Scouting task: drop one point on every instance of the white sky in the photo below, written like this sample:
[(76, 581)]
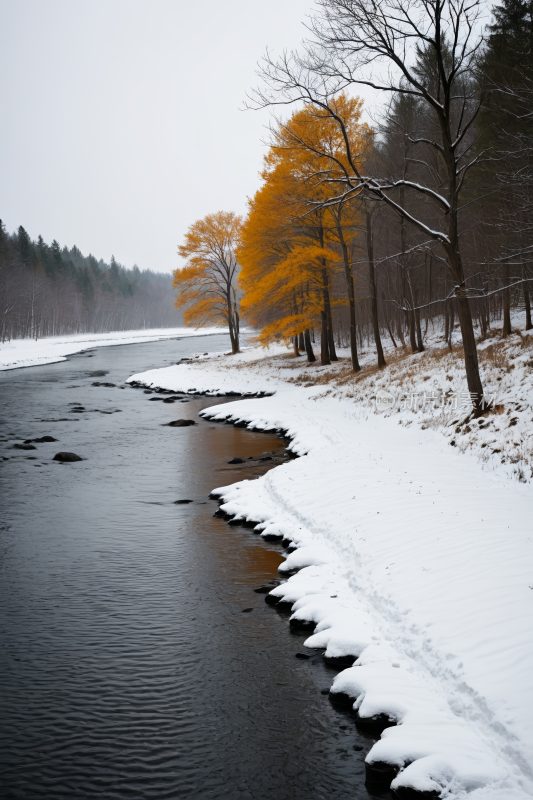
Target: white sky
[(121, 121)]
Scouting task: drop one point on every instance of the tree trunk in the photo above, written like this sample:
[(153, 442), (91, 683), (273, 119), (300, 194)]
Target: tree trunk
[(453, 255), (372, 281), (351, 296), (331, 339), (233, 323), (327, 304), (429, 292), (419, 342), (389, 326), (324, 344), (398, 314), (411, 318), (295, 345), (452, 325), (527, 303), (473, 378), (301, 343), (294, 339), (332, 356), (412, 331), (234, 347), (409, 315), (399, 330), (482, 320), (236, 334), (308, 347), (506, 331)]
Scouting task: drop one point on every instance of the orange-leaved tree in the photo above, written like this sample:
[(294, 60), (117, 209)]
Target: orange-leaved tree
[(282, 263), (313, 144), (207, 285), (292, 242)]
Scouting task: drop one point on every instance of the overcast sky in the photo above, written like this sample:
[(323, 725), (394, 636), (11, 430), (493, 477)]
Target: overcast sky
[(121, 121)]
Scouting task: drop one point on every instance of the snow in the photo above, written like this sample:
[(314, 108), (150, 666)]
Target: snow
[(49, 350), (216, 381), (414, 557)]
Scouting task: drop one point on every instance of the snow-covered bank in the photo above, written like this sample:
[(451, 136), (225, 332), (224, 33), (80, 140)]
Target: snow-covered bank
[(413, 558), (29, 353)]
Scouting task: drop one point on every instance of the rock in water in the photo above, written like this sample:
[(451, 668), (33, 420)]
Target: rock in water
[(236, 461), (181, 502), (181, 423), (24, 447), (67, 457), (168, 400)]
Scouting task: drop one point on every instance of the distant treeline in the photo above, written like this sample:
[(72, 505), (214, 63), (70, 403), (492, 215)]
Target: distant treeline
[(49, 290)]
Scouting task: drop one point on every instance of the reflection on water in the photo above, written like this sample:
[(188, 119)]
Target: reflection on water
[(128, 668)]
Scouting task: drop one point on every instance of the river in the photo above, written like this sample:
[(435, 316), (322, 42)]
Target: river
[(128, 668)]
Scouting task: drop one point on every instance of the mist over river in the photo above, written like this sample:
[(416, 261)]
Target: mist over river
[(128, 668)]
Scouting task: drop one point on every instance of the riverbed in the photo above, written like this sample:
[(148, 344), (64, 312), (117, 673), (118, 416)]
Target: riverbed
[(129, 668)]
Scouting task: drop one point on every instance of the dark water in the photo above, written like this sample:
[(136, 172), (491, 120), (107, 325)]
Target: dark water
[(128, 669)]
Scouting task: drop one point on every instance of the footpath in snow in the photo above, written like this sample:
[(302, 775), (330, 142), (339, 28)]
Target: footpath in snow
[(49, 350), (411, 564)]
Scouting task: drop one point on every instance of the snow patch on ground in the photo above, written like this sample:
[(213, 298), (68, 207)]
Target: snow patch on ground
[(30, 353), (412, 557), (223, 373)]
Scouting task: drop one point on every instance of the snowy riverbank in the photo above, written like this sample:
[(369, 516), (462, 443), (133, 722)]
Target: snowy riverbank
[(30, 353), (413, 557)]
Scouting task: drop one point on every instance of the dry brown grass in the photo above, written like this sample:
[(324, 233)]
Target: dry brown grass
[(526, 339), (314, 378), (496, 355), (340, 375), (403, 369)]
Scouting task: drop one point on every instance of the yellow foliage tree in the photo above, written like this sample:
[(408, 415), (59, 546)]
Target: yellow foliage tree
[(282, 263), (292, 242), (207, 285)]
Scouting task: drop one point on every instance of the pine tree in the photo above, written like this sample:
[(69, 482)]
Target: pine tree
[(25, 246), (506, 124), (507, 69), (56, 261)]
